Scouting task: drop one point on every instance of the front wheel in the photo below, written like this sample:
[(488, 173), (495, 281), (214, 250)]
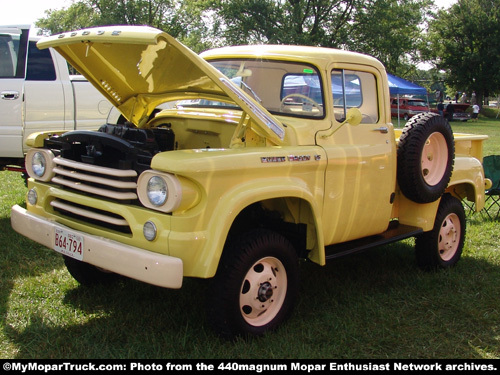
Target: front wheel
[(87, 274), (442, 246), (256, 285)]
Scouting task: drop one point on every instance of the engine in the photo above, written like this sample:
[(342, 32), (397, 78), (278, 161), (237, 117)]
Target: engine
[(114, 146)]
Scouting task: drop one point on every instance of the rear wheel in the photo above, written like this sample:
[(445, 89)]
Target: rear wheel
[(442, 246), (256, 285)]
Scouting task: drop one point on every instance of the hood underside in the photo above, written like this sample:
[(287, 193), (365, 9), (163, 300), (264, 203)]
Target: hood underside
[(138, 68)]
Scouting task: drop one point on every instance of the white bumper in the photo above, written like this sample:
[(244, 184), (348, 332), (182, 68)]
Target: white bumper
[(152, 268)]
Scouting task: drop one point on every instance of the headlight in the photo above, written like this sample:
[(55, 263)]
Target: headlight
[(157, 190), (166, 192), (38, 164)]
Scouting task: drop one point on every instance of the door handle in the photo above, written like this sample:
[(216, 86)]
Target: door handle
[(382, 129), (9, 95)]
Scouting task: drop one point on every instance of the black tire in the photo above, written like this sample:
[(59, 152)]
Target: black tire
[(256, 285), (426, 154), (86, 274), (442, 246)]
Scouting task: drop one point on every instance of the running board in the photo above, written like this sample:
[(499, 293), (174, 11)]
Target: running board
[(396, 232)]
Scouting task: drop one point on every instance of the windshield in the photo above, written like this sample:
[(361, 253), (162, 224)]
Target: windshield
[(283, 88)]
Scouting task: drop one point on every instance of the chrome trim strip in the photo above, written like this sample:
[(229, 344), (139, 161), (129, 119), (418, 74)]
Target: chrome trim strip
[(88, 214), (93, 190), (98, 180), (94, 169)]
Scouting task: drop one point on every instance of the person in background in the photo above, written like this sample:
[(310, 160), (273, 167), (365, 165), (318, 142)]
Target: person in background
[(449, 111), (440, 108), (475, 112)]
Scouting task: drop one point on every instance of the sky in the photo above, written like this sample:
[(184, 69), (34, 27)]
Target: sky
[(28, 11)]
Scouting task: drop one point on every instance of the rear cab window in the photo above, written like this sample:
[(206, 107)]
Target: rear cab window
[(40, 64)]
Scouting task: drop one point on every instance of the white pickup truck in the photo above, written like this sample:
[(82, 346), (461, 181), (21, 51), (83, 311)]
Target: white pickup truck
[(37, 93)]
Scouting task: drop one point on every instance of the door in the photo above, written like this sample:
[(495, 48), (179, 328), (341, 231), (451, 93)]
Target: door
[(48, 98), (13, 45), (361, 172)]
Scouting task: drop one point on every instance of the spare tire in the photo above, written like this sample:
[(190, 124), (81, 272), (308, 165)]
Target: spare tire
[(426, 153)]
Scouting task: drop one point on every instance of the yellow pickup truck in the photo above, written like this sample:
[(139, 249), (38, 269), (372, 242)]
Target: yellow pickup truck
[(236, 164)]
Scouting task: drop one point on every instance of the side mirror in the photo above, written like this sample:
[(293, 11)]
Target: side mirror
[(353, 116)]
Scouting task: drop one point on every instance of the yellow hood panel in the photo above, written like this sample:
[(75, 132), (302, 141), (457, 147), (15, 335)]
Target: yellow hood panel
[(138, 67)]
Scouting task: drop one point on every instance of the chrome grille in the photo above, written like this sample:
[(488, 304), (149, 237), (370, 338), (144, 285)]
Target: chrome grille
[(91, 215), (96, 180)]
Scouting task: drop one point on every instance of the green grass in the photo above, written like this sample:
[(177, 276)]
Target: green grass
[(372, 305), (488, 126)]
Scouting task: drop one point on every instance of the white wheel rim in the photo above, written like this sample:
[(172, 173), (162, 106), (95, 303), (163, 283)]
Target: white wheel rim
[(434, 158), (449, 237), (263, 291)]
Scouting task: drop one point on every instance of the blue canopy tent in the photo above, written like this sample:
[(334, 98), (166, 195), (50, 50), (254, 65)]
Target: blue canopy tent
[(399, 86)]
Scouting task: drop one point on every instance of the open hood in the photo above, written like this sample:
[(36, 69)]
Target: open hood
[(137, 68)]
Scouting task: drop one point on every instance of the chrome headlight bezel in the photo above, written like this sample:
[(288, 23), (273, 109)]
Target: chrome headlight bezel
[(40, 164)]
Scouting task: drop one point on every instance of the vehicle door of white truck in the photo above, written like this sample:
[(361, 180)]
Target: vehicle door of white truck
[(48, 95), (13, 51)]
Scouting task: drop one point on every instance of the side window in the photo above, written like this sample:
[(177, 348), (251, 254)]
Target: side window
[(355, 89), (13, 53), (40, 65)]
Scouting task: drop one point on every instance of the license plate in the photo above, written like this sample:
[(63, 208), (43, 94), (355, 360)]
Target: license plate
[(68, 243)]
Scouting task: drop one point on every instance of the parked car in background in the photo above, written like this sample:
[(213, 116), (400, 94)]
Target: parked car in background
[(38, 93), (457, 112), (408, 107)]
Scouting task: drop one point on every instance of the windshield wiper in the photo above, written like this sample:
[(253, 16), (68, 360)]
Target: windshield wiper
[(254, 94)]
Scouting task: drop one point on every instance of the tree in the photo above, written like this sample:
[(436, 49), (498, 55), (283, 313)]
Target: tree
[(78, 15), (180, 18), (304, 22), (463, 42), (387, 29), (391, 31)]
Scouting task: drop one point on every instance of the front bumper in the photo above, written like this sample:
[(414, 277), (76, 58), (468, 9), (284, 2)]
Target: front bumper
[(152, 268)]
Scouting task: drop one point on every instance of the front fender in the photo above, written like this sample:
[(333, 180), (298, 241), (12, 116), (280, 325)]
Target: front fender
[(246, 194), (37, 139), (229, 180)]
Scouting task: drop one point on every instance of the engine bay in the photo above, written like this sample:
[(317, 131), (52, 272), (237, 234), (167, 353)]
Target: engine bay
[(114, 146)]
